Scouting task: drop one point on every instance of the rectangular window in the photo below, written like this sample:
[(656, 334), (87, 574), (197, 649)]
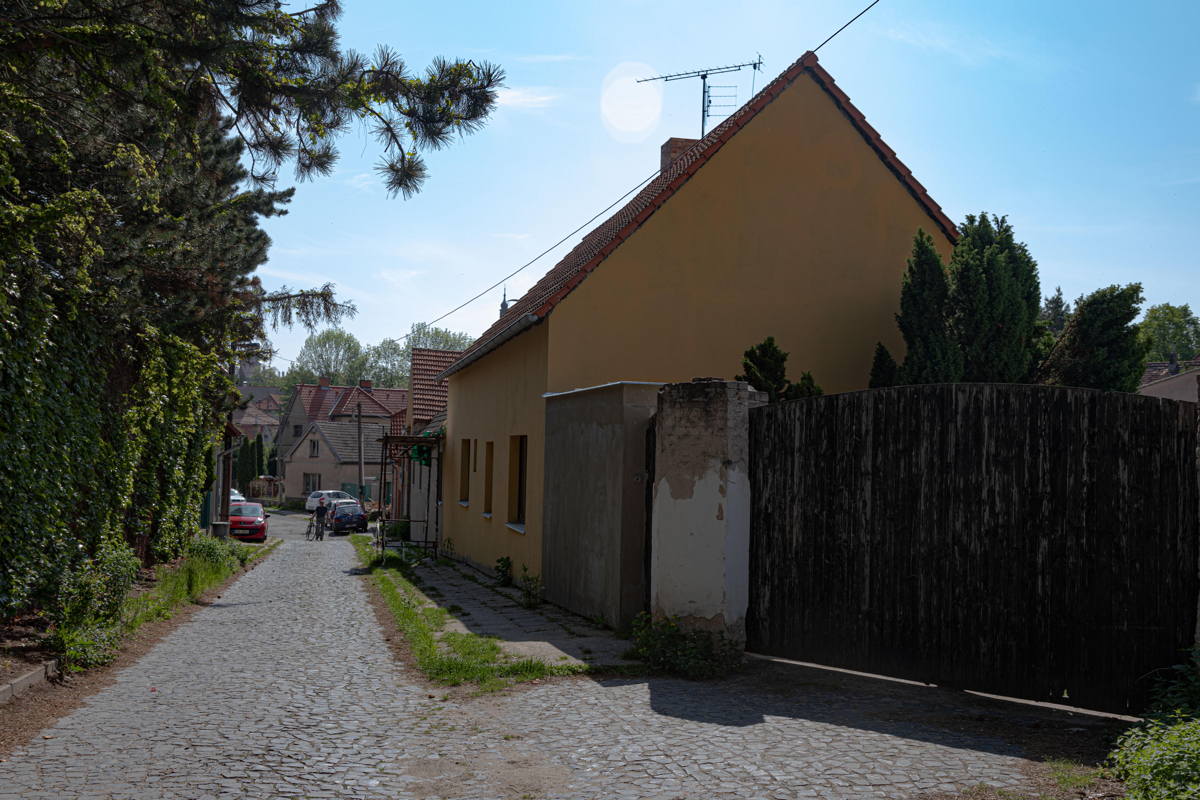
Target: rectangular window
[(518, 464), (312, 482), (464, 471), (297, 430), (314, 448), (488, 453)]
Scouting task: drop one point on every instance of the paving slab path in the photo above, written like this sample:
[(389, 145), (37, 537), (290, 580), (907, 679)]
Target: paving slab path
[(286, 687)]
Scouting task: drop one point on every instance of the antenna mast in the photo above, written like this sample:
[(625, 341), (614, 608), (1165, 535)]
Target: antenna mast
[(705, 98)]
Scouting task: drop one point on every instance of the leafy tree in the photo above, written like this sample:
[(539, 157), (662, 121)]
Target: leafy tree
[(932, 353), (388, 362), (765, 368), (332, 353), (885, 371), (1055, 312), (1100, 348), (1169, 330), (994, 302)]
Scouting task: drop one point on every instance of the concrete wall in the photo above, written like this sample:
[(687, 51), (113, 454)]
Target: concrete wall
[(495, 398), (593, 544), (700, 537), (794, 229), (1184, 386)]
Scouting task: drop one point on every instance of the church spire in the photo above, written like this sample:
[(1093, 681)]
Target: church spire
[(504, 303)]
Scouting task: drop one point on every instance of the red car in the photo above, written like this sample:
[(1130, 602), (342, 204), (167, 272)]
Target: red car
[(248, 521)]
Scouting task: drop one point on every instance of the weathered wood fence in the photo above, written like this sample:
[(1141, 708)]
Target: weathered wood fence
[(1032, 541)]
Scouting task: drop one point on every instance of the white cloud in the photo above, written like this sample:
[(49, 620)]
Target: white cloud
[(398, 278), (547, 58), (364, 182), (969, 49), (525, 97)]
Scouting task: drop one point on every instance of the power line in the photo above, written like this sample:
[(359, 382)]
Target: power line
[(847, 25), (527, 264)]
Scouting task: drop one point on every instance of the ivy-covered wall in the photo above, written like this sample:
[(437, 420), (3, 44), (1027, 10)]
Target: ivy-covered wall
[(106, 440)]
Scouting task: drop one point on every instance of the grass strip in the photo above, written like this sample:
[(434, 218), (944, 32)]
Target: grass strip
[(92, 642), (451, 658)]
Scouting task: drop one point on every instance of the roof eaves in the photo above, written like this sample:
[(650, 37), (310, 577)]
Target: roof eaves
[(519, 325)]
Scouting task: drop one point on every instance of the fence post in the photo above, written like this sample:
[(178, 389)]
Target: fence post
[(700, 529)]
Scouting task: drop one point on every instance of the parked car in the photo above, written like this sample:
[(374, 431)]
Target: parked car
[(248, 521), (349, 517), (236, 497), (329, 494)]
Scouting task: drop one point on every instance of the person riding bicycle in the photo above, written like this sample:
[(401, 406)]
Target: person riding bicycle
[(319, 515)]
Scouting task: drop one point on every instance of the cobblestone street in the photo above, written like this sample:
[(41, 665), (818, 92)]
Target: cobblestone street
[(286, 687)]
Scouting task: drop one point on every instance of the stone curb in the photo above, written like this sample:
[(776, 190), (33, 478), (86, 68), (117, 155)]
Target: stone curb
[(39, 675)]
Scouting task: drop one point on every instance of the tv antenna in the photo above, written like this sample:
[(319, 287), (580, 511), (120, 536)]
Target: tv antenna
[(706, 97)]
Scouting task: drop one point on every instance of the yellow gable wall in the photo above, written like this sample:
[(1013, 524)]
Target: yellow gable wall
[(497, 397), (794, 229)]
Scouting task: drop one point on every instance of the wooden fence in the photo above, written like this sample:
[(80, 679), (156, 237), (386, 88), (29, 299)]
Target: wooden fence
[(1031, 541)]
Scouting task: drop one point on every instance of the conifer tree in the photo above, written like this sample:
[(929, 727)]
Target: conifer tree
[(932, 355), (1100, 347), (1055, 312), (885, 371), (260, 465), (995, 300), (764, 367)]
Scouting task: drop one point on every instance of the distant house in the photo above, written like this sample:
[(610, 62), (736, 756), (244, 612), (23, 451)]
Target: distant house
[(791, 219), (326, 456), (419, 486), (253, 421), (1176, 380), (324, 402)]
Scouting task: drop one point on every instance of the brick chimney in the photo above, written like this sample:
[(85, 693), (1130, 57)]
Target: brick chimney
[(671, 150), (323, 382), (364, 384)]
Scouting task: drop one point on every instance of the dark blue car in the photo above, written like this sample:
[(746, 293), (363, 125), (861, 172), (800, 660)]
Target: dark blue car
[(349, 517)]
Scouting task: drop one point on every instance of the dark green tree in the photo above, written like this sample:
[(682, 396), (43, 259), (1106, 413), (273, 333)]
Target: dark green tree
[(764, 367), (1170, 331), (1100, 348), (1055, 312), (994, 303), (260, 462), (932, 354), (885, 371), (333, 353)]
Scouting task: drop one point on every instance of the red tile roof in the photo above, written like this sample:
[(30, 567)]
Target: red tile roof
[(540, 300), (428, 392), (1158, 370), (371, 405), (319, 402)]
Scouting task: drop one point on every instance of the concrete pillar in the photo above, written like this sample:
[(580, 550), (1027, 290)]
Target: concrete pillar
[(700, 530)]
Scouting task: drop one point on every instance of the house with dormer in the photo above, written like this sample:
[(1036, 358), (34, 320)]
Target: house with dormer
[(326, 413)]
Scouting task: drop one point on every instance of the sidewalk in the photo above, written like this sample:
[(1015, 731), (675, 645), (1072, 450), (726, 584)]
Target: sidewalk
[(547, 633)]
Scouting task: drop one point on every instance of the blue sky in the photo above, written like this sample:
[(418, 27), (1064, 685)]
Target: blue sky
[(1080, 121)]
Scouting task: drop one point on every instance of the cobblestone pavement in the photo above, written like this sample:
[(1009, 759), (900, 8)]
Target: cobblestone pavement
[(285, 687)]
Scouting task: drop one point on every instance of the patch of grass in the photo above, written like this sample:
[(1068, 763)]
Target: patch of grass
[(1070, 775), (447, 658), (209, 562)]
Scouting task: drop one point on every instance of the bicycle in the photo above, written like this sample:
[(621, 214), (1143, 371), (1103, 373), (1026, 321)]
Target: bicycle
[(310, 531)]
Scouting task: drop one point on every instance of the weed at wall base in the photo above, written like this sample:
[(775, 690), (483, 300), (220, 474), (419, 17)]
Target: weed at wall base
[(667, 647)]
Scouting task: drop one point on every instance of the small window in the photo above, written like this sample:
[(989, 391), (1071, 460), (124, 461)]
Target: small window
[(297, 430), (518, 468), (464, 471), (312, 482), (488, 453), (314, 448)]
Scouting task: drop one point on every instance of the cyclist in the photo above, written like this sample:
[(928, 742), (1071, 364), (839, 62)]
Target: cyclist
[(319, 514)]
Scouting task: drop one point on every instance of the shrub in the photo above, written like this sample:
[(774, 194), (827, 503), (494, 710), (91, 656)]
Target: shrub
[(504, 576), (96, 588), (400, 530), (531, 588), (667, 647), (218, 552), (1160, 759)]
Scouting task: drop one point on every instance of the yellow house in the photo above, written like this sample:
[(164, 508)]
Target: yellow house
[(791, 219)]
